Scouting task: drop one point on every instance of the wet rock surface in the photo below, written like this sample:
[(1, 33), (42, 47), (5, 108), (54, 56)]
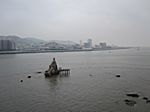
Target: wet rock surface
[(29, 76), (145, 98), (132, 94), (117, 75), (130, 102), (148, 101)]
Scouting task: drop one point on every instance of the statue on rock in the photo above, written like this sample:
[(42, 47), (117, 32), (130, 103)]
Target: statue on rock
[(53, 65), (53, 70)]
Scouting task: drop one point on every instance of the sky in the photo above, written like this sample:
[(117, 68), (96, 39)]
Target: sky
[(119, 22)]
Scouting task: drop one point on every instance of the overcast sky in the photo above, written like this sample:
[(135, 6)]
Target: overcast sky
[(119, 22)]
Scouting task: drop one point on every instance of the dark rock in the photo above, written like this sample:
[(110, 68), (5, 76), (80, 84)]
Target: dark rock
[(117, 75), (136, 95), (145, 98), (38, 72), (21, 80), (130, 102), (148, 101), (29, 76)]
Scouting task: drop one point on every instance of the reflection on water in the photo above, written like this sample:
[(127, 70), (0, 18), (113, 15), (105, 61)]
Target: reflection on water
[(56, 80)]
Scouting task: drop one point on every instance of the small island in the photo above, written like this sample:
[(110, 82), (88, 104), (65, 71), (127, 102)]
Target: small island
[(53, 70)]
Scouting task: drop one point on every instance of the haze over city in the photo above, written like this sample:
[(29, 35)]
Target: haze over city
[(120, 22)]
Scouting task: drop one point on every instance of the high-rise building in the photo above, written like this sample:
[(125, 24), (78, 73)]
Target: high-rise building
[(88, 44), (7, 45), (81, 44)]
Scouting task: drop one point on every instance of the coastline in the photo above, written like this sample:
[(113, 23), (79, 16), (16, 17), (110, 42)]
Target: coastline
[(46, 51)]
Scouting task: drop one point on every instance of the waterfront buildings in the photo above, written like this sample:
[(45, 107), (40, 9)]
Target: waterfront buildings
[(31, 44), (88, 44), (6, 45), (103, 45)]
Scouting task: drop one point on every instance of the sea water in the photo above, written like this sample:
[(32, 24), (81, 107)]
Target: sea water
[(92, 85)]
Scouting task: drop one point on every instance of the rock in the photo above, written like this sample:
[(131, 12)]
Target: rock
[(136, 95), (29, 76), (145, 98), (130, 102), (21, 80), (148, 101), (117, 75), (38, 72)]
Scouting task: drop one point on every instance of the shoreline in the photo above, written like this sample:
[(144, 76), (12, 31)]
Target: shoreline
[(46, 51)]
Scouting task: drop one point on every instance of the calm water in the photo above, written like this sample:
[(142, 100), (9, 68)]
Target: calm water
[(78, 92)]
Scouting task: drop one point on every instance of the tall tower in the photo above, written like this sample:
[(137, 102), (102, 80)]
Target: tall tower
[(90, 43), (81, 44)]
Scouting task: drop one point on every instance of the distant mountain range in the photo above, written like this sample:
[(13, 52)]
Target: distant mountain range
[(28, 42), (23, 40)]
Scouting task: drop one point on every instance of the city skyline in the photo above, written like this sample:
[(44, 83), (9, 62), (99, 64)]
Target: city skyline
[(123, 23), (32, 44), (88, 41)]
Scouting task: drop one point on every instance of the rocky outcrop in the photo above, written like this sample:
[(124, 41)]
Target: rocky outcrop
[(133, 94), (130, 102), (29, 76)]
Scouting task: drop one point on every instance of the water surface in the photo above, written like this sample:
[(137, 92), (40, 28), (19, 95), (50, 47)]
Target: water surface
[(78, 92)]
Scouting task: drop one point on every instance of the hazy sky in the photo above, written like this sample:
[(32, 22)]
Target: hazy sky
[(120, 22)]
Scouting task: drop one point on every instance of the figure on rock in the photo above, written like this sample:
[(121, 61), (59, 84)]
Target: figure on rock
[(53, 67)]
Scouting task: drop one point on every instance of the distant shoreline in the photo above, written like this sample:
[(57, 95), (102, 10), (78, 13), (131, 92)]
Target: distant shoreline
[(46, 51)]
